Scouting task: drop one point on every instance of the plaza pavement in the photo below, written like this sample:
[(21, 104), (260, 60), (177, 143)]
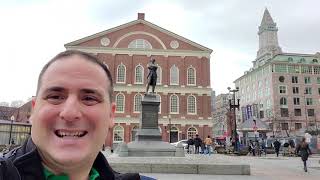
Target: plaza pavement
[(262, 168)]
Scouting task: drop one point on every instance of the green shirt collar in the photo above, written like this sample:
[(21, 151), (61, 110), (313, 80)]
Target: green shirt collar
[(93, 175)]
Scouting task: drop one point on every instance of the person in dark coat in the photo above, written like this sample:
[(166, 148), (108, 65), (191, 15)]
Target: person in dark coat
[(72, 113), (304, 151), (197, 143), (152, 76), (276, 145), (190, 143)]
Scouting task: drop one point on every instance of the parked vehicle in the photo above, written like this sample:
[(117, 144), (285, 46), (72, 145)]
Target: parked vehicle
[(184, 143)]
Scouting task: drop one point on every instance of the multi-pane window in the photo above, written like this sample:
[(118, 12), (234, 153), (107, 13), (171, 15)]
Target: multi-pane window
[(306, 69), (297, 126), (282, 89), (284, 112), (159, 75), (284, 126), (139, 72), (295, 90), (307, 80), (192, 131), (294, 79), (283, 101), (174, 75), (296, 101), (118, 134), (319, 91), (140, 43), (318, 80), (297, 112), (137, 103), (191, 75), (308, 90), (121, 73), (310, 112), (316, 69), (191, 101), (293, 69), (120, 102), (309, 101), (174, 104), (281, 68)]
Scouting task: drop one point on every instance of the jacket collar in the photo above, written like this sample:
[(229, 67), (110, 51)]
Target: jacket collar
[(28, 161)]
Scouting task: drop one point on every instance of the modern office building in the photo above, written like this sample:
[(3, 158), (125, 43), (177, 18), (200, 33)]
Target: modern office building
[(281, 89)]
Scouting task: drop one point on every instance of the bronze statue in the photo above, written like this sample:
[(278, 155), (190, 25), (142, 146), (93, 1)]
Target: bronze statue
[(152, 76)]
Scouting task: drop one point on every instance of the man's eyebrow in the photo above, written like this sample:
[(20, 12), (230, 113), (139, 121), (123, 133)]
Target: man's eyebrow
[(55, 88), (92, 91)]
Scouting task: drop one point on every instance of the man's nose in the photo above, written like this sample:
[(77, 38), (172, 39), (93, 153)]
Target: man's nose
[(71, 109)]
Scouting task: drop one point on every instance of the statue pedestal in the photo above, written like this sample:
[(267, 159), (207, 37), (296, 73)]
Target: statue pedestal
[(148, 138)]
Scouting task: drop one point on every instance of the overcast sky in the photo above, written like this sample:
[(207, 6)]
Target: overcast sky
[(33, 31)]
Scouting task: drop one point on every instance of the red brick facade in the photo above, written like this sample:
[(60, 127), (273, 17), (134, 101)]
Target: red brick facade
[(114, 52)]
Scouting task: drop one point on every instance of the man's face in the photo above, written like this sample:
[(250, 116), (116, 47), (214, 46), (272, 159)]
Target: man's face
[(72, 112)]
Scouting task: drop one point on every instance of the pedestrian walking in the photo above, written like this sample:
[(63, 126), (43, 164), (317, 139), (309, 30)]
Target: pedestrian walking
[(276, 145), (208, 144), (190, 146), (263, 147), (197, 143), (304, 151)]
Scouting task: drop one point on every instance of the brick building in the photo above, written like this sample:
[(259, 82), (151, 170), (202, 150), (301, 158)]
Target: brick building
[(183, 78)]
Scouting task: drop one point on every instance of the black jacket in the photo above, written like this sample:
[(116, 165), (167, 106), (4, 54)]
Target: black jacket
[(304, 151), (24, 163)]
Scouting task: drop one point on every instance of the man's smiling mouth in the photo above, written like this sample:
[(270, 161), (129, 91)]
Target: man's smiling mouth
[(75, 134)]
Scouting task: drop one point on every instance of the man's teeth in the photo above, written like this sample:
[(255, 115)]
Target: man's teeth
[(70, 134)]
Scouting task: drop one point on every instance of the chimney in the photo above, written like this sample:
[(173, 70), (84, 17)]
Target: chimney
[(141, 16)]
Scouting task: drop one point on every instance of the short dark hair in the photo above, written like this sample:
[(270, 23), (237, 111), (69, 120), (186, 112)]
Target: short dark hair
[(86, 56)]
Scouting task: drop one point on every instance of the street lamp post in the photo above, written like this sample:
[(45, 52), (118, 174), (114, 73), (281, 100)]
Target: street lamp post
[(233, 106), (169, 128), (10, 132)]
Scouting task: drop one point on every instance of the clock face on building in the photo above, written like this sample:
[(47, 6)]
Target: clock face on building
[(105, 41)]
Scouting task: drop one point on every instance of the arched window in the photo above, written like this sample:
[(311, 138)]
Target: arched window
[(191, 76), (192, 104), (139, 74), (120, 103), (159, 75), (174, 134), (118, 134), (174, 75), (121, 73), (174, 104), (192, 131), (137, 102), (140, 43), (283, 101)]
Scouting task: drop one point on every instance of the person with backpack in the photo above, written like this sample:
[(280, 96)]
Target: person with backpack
[(197, 143), (304, 151)]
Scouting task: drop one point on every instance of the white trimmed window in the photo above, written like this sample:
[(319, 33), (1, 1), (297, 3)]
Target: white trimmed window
[(174, 104), (191, 76), (137, 103), (120, 100), (159, 75), (160, 103), (140, 43), (192, 105), (174, 75), (118, 134), (121, 73), (283, 101), (139, 72), (192, 131)]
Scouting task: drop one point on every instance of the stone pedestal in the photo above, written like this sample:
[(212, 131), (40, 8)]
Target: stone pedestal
[(148, 138)]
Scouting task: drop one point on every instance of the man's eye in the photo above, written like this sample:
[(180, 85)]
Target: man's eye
[(90, 100), (55, 99)]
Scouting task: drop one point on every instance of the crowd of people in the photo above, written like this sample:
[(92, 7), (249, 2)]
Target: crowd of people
[(198, 146)]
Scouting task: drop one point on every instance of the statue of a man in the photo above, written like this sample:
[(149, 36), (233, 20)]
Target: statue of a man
[(152, 76)]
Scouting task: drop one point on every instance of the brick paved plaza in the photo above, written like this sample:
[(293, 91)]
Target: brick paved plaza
[(262, 168)]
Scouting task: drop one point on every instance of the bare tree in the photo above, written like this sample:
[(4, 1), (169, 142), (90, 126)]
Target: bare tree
[(16, 103), (4, 104)]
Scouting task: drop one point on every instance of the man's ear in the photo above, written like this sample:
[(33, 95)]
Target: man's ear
[(33, 101), (112, 114)]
